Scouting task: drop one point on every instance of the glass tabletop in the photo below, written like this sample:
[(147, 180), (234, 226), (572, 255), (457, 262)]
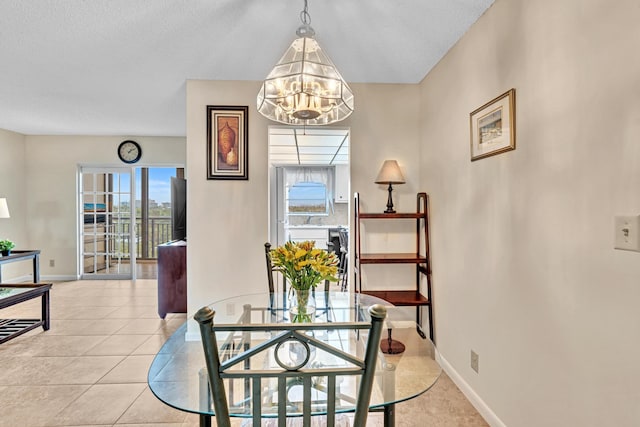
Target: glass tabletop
[(7, 291), (178, 377)]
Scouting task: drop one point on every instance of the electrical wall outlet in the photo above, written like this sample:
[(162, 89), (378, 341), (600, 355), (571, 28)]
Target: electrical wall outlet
[(627, 233), (231, 309), (52, 263), (475, 361)]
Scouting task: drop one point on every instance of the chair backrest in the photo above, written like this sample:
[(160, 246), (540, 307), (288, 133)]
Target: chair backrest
[(270, 268), (304, 374), (343, 235)]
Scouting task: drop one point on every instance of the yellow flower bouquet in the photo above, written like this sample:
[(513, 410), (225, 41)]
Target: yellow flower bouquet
[(304, 266)]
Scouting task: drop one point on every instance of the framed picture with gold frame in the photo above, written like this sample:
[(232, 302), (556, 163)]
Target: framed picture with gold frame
[(227, 142), (493, 126)]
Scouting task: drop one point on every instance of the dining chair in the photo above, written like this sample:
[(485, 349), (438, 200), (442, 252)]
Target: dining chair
[(343, 236), (271, 270), (302, 372)]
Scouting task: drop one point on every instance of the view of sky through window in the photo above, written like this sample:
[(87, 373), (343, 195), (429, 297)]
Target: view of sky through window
[(159, 184), (305, 197)]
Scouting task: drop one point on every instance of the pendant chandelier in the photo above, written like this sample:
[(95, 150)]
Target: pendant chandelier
[(305, 88)]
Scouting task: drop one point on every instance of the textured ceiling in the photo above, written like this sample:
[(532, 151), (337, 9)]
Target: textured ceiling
[(119, 67)]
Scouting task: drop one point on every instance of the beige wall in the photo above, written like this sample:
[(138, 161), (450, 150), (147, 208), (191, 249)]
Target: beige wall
[(12, 187), (524, 268), (228, 220), (385, 126)]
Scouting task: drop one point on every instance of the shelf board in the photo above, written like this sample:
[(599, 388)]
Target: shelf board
[(392, 258), (400, 298), (11, 328), (413, 215)]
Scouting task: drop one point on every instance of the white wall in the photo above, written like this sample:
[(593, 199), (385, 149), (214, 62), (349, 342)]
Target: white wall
[(50, 168), (524, 267), (228, 220)]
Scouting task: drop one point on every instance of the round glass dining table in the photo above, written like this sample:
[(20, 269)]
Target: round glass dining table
[(177, 375)]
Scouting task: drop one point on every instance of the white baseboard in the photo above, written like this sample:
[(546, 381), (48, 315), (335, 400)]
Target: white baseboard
[(489, 416), (58, 278), (27, 278)]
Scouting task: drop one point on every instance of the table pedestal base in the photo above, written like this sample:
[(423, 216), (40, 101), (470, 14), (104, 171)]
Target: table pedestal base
[(205, 420), (389, 415)]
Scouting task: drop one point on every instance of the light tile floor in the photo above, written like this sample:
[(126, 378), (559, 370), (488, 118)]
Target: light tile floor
[(90, 368)]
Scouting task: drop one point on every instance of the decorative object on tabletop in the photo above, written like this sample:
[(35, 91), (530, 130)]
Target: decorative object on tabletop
[(4, 208), (493, 126), (304, 266), (4, 213), (6, 246)]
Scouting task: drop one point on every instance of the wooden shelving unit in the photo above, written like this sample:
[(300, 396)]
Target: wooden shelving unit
[(414, 295)]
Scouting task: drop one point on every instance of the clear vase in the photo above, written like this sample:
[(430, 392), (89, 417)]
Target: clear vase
[(302, 305)]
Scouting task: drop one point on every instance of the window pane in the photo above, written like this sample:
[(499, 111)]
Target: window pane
[(307, 197)]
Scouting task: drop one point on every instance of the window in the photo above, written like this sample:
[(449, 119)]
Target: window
[(153, 209), (308, 190), (304, 198)]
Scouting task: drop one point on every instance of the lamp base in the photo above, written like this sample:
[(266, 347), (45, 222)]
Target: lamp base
[(391, 347), (390, 201)]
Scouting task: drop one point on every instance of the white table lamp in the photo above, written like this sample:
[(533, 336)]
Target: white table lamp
[(4, 209)]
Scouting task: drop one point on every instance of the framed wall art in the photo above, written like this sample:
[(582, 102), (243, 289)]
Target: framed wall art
[(227, 142), (493, 126)]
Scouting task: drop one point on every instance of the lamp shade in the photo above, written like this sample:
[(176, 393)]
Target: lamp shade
[(390, 173), (4, 209)]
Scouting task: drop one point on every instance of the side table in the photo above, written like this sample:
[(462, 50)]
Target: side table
[(15, 294), (23, 256)]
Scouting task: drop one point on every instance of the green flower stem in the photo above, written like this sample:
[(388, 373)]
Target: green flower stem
[(302, 314)]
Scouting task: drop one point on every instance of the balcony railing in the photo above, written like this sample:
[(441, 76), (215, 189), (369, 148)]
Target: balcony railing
[(158, 232)]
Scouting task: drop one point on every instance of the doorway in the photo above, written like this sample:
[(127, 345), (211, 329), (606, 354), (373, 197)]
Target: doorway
[(309, 174)]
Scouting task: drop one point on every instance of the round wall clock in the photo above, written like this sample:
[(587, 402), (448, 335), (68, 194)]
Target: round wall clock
[(129, 151)]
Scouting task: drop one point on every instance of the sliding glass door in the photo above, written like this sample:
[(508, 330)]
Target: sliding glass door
[(106, 224), (153, 209)]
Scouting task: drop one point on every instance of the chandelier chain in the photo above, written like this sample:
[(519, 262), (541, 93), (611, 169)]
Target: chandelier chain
[(304, 15)]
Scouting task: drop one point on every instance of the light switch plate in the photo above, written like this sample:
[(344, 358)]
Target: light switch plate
[(627, 233)]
